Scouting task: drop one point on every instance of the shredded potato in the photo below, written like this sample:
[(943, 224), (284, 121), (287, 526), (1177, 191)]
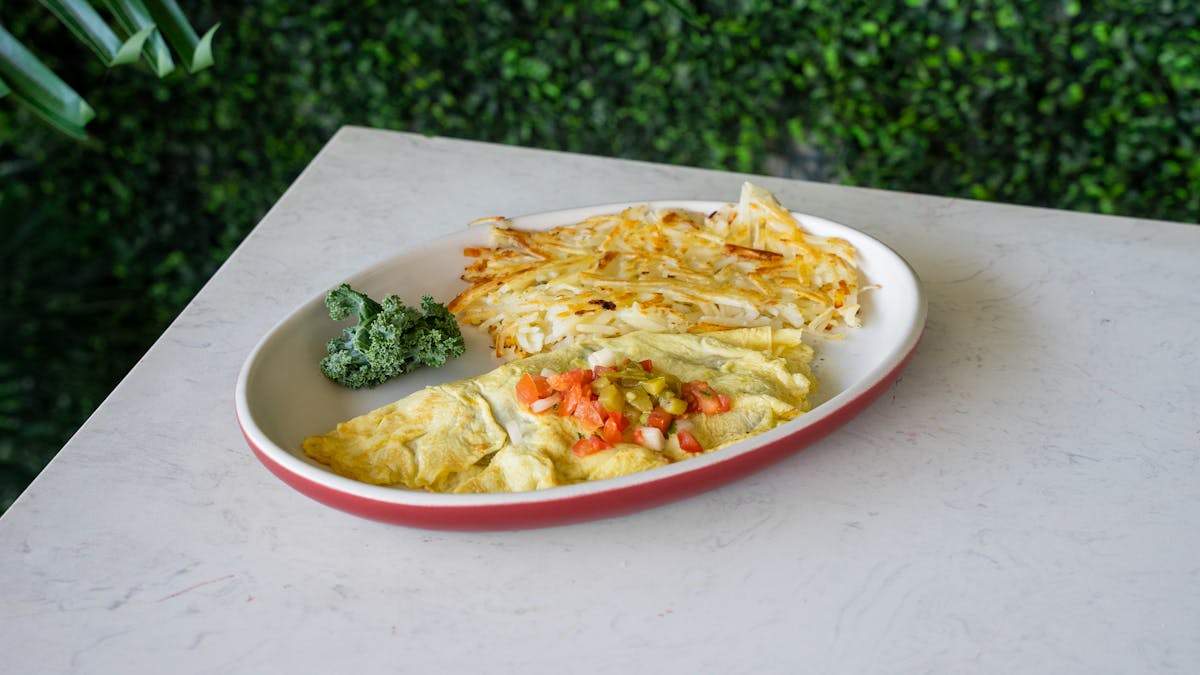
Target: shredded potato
[(668, 270)]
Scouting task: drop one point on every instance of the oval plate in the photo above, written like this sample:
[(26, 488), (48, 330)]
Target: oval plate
[(282, 397)]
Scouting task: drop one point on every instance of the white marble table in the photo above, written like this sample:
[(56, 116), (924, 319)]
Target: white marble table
[(1026, 499)]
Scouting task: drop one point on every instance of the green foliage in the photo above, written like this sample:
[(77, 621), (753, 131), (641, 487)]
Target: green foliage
[(1052, 104), (1090, 106)]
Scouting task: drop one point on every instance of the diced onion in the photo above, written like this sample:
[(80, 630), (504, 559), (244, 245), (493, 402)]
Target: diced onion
[(602, 357), (544, 404), (652, 438), (514, 432)]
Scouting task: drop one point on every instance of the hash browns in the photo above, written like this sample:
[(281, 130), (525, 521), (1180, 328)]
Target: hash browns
[(666, 270)]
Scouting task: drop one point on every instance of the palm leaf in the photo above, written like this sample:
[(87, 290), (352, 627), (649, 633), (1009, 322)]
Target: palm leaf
[(35, 85), (83, 20), (195, 52), (133, 17)]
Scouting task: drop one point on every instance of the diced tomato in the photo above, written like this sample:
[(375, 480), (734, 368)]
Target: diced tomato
[(688, 442), (589, 445), (702, 398), (589, 415), (567, 405), (660, 419), (573, 398), (532, 387), (647, 365), (569, 379), (611, 431), (724, 404)]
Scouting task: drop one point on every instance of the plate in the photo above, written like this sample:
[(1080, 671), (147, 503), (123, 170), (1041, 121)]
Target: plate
[(282, 397)]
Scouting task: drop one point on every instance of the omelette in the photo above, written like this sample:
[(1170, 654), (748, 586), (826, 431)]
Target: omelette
[(590, 410)]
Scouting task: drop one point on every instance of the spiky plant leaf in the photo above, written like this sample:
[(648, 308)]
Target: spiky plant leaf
[(133, 17), (35, 85), (195, 52), (89, 28)]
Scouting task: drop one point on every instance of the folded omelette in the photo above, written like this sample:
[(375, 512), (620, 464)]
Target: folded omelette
[(477, 435)]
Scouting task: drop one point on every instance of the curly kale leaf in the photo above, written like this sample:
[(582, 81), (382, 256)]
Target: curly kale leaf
[(389, 339), (344, 301)]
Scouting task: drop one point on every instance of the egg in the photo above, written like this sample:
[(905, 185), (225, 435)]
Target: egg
[(475, 435)]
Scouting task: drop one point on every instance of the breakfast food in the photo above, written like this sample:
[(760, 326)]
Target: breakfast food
[(658, 269), (596, 408), (633, 340)]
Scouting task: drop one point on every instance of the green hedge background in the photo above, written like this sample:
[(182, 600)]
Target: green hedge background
[(1092, 106)]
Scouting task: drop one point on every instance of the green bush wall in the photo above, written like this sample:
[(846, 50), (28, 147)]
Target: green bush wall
[(1093, 106)]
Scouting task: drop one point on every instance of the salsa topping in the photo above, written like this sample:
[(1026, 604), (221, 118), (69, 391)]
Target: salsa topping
[(630, 402)]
